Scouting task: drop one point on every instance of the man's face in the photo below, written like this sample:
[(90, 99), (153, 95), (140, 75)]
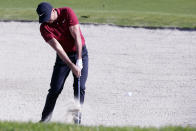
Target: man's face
[(53, 16)]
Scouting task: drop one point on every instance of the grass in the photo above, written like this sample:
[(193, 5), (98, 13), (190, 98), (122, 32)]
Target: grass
[(148, 13), (16, 126)]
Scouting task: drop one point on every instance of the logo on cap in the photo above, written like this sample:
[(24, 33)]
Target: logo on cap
[(41, 14)]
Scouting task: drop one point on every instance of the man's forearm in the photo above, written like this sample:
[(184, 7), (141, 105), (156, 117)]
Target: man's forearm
[(64, 57), (75, 32), (61, 53), (79, 47)]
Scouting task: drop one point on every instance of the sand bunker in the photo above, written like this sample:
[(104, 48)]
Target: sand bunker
[(136, 76)]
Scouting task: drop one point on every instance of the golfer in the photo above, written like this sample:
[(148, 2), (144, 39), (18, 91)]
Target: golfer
[(60, 29)]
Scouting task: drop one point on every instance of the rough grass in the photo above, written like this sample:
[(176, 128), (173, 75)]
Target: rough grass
[(16, 126), (148, 13)]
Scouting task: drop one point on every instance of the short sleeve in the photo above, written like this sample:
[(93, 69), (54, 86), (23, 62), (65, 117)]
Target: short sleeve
[(72, 18), (46, 34)]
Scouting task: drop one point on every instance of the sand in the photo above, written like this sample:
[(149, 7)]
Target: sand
[(137, 77)]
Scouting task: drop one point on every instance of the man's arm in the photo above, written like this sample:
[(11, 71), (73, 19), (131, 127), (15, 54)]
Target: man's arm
[(75, 32), (63, 55)]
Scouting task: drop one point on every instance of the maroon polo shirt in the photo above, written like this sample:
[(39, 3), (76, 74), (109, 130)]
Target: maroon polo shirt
[(59, 29)]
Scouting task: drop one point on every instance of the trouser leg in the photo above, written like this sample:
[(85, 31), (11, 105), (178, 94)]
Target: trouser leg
[(83, 78), (60, 73)]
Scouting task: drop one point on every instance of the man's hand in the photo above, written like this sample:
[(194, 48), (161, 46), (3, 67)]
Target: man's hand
[(76, 70)]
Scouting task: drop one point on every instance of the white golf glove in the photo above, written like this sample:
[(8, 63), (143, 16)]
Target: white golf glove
[(79, 63)]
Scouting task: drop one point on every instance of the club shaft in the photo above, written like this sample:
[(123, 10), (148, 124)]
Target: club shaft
[(78, 99)]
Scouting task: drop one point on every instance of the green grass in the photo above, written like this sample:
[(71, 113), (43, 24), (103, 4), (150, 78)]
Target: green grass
[(148, 13), (15, 126)]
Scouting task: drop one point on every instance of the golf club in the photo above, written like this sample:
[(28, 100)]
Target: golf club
[(78, 122)]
